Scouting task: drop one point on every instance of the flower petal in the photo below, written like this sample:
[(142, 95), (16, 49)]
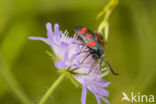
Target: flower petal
[(60, 65), (49, 31), (66, 56), (103, 92), (56, 30), (84, 94), (98, 100), (105, 100), (64, 45), (42, 39)]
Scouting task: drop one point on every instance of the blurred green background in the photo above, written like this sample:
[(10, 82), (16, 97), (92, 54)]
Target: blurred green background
[(131, 48)]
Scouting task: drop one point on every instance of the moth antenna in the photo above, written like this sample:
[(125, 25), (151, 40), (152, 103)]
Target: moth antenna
[(109, 66)]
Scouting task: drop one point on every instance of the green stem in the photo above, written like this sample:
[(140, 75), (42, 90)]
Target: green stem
[(106, 12), (52, 88)]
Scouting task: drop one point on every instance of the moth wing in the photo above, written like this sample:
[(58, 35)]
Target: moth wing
[(79, 30)]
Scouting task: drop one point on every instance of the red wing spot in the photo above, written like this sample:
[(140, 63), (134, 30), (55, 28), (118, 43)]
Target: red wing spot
[(93, 43), (102, 47), (86, 36), (101, 40), (83, 30), (90, 45), (96, 37)]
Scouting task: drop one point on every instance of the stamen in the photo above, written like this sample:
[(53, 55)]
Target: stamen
[(104, 74), (106, 68)]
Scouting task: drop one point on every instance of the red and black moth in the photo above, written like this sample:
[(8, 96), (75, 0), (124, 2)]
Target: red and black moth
[(95, 43)]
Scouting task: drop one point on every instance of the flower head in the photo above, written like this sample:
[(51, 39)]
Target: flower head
[(75, 57)]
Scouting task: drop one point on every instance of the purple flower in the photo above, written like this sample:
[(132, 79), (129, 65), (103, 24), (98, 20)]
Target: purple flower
[(72, 56)]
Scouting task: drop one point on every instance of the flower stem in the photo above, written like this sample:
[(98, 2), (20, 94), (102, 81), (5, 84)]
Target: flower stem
[(52, 88), (106, 12)]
